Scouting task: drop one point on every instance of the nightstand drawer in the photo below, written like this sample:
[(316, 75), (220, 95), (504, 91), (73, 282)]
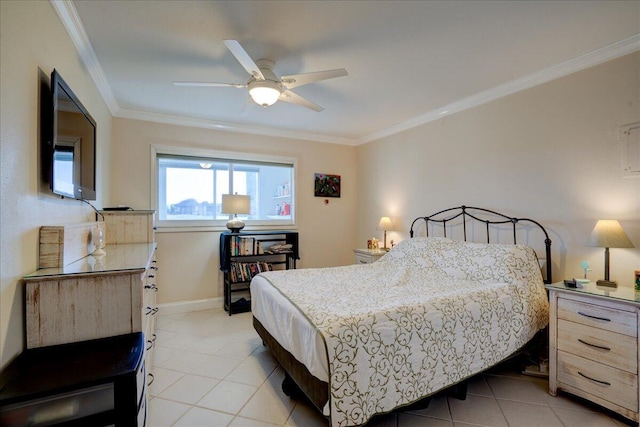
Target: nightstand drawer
[(363, 259), (616, 350), (596, 316), (367, 256), (605, 382)]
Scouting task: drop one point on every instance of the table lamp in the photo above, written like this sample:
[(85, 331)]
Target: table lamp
[(385, 225), (235, 204), (608, 233)]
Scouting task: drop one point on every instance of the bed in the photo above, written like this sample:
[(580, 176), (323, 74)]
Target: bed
[(362, 340)]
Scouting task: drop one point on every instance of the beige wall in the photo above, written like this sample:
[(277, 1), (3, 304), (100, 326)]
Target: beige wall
[(189, 260), (33, 41), (552, 153)]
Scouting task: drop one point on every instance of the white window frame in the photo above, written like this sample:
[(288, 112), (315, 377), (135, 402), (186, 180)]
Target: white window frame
[(219, 225)]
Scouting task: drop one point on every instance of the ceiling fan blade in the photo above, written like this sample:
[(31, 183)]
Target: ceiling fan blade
[(243, 57), (288, 96), (210, 84), (296, 80)]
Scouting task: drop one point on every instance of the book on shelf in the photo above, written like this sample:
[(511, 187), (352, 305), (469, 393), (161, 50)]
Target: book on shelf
[(245, 246), (245, 271)]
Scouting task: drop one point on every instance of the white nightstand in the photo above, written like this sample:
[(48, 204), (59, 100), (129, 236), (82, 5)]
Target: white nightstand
[(593, 345), (367, 256)]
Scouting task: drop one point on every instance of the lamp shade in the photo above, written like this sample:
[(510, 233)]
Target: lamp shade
[(385, 224), (608, 233), (235, 204)]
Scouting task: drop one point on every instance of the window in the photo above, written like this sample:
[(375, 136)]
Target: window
[(190, 186)]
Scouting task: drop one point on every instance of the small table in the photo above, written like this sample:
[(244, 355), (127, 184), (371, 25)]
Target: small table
[(593, 345), (98, 383), (367, 256)]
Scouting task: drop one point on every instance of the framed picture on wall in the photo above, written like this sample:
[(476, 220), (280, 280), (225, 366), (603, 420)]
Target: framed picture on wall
[(326, 185)]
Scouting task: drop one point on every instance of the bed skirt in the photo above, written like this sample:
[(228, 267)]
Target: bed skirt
[(316, 391)]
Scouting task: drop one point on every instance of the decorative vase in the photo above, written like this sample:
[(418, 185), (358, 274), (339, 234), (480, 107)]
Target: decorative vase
[(97, 237)]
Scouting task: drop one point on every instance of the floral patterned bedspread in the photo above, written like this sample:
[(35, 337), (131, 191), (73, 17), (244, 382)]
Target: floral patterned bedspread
[(428, 314)]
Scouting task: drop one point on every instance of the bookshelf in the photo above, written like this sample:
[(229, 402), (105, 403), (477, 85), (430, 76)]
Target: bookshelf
[(246, 254)]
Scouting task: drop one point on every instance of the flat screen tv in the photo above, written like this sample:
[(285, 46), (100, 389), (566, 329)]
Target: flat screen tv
[(72, 144)]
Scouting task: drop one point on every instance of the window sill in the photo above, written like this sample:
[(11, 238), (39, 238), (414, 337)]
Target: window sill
[(220, 229)]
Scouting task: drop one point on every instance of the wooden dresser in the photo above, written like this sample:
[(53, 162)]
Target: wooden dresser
[(98, 296), (593, 345)]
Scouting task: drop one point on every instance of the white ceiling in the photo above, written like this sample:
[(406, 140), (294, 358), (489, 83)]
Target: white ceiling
[(409, 62)]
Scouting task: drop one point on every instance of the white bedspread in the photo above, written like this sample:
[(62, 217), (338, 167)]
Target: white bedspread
[(430, 313)]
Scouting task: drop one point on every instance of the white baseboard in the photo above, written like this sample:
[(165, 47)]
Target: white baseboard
[(189, 306)]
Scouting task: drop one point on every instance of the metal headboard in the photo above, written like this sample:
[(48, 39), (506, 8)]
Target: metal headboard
[(447, 216)]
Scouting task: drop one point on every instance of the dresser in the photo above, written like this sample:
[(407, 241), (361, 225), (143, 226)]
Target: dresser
[(98, 296), (135, 227), (94, 297), (593, 345), (367, 256)]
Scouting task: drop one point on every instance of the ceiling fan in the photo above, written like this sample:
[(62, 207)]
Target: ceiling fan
[(265, 88)]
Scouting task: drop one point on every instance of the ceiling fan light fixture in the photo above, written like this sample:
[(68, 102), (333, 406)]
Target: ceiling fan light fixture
[(264, 86), (265, 92)]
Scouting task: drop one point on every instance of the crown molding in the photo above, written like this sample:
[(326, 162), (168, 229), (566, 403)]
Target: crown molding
[(590, 59), (71, 22), (230, 127)]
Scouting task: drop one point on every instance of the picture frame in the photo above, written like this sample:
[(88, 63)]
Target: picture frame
[(326, 185)]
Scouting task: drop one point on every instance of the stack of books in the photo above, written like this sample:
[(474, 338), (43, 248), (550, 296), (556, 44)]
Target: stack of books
[(278, 249)]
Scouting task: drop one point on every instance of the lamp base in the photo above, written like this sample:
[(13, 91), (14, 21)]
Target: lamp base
[(235, 225), (608, 283)]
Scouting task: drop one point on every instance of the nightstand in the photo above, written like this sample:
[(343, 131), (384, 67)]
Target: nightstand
[(367, 256), (593, 345)]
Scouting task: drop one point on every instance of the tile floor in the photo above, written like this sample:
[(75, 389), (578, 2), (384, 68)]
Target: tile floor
[(211, 370)]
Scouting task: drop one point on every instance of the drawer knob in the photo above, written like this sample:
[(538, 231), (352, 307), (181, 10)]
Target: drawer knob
[(593, 379), (604, 319), (594, 345)]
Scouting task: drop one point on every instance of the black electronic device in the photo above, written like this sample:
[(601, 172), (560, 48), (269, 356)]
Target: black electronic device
[(70, 144), (117, 208), (571, 283)]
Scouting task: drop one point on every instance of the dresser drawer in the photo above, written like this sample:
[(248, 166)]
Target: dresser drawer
[(605, 382), (596, 316), (616, 350)]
